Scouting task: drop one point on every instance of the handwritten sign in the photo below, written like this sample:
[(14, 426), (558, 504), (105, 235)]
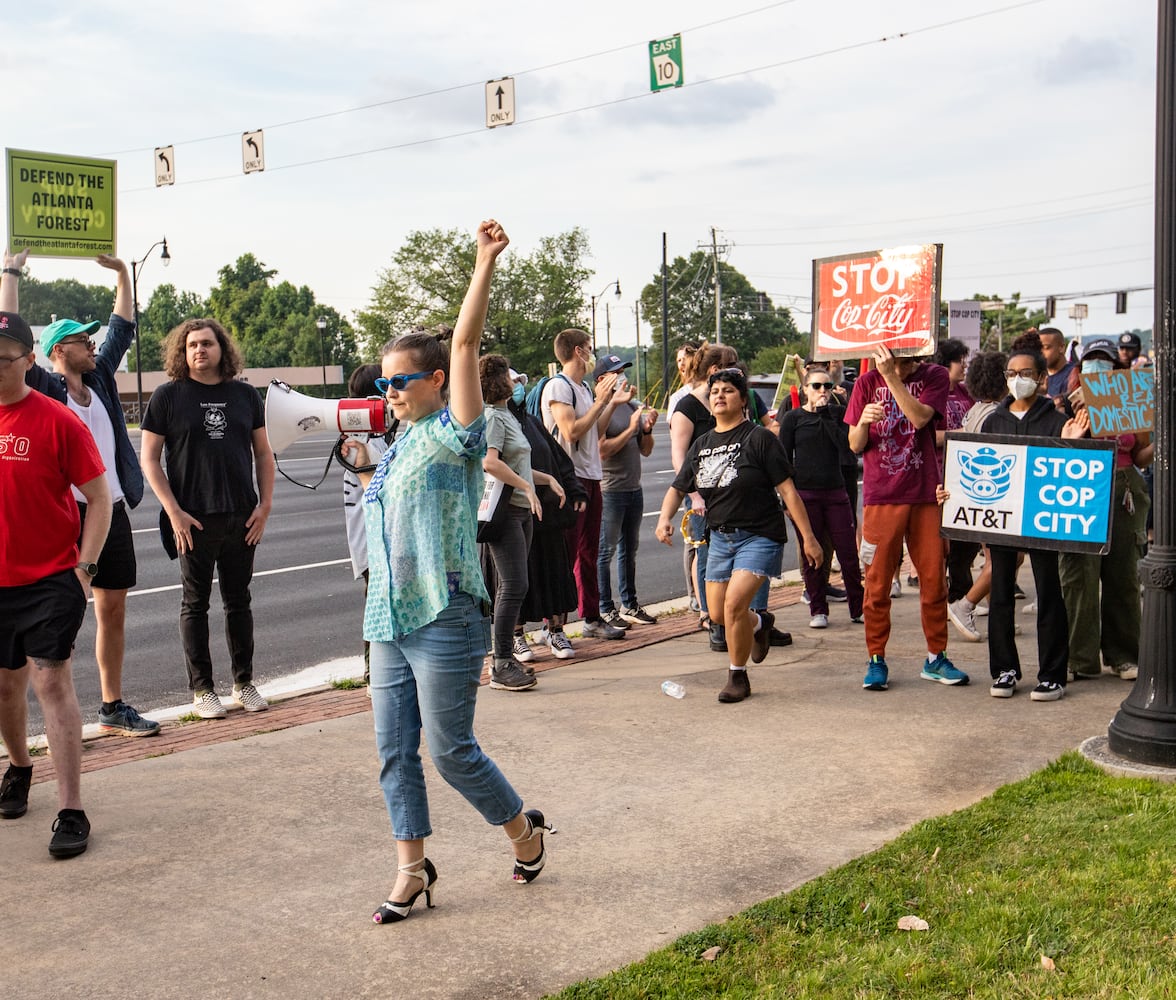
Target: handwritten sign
[(888, 297), (1121, 401), (61, 206), (1029, 492)]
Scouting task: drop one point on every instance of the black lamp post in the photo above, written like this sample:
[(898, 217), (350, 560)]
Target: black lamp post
[(136, 267), (595, 298), (1144, 729), (321, 323)]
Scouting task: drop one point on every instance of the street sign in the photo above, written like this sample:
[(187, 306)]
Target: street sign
[(165, 165), (500, 102), (253, 151), (665, 63)]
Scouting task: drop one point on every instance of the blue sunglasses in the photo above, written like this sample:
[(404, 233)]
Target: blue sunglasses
[(399, 382)]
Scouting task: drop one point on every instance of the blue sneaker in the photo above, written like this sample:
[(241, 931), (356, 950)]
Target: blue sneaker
[(877, 675), (943, 670)]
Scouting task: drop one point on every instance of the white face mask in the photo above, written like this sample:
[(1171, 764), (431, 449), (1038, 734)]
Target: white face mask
[(1022, 388), (1097, 365), (590, 361)]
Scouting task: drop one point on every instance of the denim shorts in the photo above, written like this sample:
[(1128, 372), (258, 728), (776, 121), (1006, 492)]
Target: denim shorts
[(739, 549)]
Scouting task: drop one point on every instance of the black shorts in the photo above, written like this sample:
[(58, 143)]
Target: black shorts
[(40, 619), (116, 563)]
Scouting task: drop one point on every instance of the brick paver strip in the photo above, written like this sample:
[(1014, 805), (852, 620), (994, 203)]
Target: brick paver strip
[(110, 750)]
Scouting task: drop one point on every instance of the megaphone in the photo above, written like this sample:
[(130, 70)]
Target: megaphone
[(290, 415)]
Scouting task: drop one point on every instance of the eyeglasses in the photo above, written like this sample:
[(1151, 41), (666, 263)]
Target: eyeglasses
[(1023, 373), (84, 341), (821, 385), (4, 362), (399, 382)]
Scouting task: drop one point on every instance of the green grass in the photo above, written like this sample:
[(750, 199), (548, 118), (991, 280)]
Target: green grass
[(188, 717), (1071, 864), (348, 684)]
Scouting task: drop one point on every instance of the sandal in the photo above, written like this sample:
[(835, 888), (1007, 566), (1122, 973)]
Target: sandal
[(528, 871)]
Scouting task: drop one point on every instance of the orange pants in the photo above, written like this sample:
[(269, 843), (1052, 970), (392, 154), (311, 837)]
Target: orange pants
[(886, 526)]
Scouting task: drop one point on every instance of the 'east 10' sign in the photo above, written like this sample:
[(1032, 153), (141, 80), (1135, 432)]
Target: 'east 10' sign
[(1029, 492)]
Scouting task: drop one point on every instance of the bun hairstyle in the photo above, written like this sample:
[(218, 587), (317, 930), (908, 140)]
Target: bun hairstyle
[(1029, 345), (710, 356), (494, 373)]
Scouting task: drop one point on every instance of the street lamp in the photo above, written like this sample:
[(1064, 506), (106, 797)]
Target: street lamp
[(321, 323), (136, 267), (600, 295)]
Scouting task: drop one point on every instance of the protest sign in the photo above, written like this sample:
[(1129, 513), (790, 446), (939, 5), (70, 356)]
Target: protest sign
[(1121, 401), (880, 297), (61, 206), (1029, 492), (963, 322)]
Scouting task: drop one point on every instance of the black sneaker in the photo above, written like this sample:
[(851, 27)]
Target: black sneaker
[(1018, 593), (778, 638), (761, 641), (718, 638), (509, 675), (638, 615), (71, 834), (126, 721), (836, 594), (615, 619), (14, 791), (1047, 691)]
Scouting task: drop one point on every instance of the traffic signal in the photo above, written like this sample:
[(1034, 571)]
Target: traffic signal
[(1051, 307), (1120, 302)]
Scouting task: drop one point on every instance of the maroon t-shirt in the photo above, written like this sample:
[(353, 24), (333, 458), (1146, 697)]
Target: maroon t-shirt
[(899, 463)]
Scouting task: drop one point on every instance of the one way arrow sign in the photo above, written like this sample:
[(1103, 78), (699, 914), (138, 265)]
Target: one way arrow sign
[(500, 102)]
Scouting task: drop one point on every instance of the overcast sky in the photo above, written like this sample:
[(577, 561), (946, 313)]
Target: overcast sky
[(1021, 136)]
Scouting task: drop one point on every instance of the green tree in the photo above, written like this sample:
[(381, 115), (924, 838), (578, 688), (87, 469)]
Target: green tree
[(533, 296), (64, 298)]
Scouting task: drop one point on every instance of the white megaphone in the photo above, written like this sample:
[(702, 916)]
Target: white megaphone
[(289, 415)]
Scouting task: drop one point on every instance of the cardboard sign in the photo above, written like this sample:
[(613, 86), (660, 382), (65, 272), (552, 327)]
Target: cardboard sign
[(61, 206), (963, 322), (1122, 401), (1029, 492), (888, 297)]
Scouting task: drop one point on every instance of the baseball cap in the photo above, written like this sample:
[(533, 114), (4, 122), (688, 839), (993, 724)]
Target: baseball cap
[(15, 328), (609, 363), (1130, 340), (1100, 345), (55, 333)]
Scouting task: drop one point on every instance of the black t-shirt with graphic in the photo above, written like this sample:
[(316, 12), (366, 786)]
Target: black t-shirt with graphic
[(208, 442), (736, 473)]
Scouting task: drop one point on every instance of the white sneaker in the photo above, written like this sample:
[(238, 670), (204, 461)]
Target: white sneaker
[(559, 644), (819, 621), (964, 621), (249, 698), (895, 590), (1029, 608), (208, 706), (522, 649), (1126, 671), (981, 611)]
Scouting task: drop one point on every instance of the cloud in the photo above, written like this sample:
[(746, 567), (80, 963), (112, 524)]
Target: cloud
[(726, 102), (1078, 60)]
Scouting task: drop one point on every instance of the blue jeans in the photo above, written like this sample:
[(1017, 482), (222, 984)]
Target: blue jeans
[(620, 531), (429, 680)]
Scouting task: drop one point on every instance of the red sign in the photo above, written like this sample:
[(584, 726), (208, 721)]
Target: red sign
[(888, 297)]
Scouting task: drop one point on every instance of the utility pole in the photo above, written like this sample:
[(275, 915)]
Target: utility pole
[(718, 289), (665, 322)]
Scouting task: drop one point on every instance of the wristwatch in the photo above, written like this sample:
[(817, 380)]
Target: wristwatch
[(90, 569)]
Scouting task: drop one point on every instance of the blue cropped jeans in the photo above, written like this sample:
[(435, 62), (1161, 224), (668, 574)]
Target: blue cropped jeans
[(428, 680)]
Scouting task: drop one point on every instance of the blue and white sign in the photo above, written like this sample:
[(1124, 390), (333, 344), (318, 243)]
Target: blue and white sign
[(1029, 492)]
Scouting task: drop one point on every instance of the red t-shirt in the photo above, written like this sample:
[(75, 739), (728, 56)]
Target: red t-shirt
[(898, 465), (43, 450)]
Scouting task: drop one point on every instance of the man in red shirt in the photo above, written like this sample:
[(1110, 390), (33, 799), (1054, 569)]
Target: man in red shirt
[(44, 579)]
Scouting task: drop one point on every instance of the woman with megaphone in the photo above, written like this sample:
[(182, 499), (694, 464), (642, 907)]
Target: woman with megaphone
[(426, 614)]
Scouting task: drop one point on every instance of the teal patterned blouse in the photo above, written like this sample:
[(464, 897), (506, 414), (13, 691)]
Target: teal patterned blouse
[(420, 511)]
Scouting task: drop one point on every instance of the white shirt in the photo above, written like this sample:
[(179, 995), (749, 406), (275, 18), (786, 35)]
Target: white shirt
[(97, 419)]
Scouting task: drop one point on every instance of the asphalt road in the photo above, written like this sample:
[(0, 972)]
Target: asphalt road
[(307, 607)]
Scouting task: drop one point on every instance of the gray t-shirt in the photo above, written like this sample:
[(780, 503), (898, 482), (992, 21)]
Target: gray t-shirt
[(505, 433), (585, 453), (622, 470)]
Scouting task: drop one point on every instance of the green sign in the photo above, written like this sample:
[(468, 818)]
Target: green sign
[(60, 206), (665, 62)]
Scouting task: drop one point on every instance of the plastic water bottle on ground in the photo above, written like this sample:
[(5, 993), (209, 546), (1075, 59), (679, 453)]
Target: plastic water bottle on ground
[(673, 689)]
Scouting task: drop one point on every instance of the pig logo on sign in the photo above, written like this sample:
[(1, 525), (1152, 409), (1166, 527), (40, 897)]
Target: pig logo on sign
[(984, 477)]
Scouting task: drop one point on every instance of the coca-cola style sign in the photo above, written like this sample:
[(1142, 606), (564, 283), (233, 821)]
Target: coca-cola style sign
[(891, 297)]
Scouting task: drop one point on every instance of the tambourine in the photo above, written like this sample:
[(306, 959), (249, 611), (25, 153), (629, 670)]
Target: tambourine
[(686, 535)]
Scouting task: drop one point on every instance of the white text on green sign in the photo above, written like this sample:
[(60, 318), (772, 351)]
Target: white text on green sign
[(665, 63)]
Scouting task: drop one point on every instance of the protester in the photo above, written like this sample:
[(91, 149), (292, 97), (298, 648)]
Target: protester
[(685, 362), (815, 438), (1059, 367), (210, 427), (891, 424), (1109, 622), (45, 575), (624, 441), (741, 473), (426, 606), (551, 586), (85, 383), (1130, 347), (508, 459), (1028, 411), (572, 413), (362, 385)]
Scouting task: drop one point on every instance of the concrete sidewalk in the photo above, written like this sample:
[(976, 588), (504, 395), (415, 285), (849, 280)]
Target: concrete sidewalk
[(249, 867)]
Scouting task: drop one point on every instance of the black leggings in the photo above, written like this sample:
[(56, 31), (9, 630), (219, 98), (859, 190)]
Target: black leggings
[(510, 567)]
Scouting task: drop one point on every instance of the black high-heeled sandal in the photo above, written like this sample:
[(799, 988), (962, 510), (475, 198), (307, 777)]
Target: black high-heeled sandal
[(393, 911), (528, 871)]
